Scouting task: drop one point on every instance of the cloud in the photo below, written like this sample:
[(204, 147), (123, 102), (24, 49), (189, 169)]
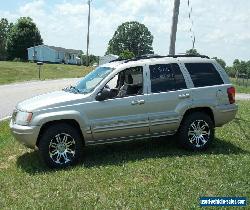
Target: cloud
[(218, 24)]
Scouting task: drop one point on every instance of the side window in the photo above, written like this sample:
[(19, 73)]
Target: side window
[(166, 77), (203, 74), (128, 82), (112, 84)]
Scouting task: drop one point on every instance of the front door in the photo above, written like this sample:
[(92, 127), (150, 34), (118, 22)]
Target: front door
[(121, 117)]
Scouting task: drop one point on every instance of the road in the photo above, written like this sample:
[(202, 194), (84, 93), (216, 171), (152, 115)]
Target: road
[(242, 96), (11, 94)]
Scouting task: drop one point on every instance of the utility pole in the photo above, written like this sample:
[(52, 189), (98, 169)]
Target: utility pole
[(174, 27), (87, 58)]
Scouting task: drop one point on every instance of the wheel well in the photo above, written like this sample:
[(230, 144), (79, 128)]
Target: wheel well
[(73, 123), (205, 110)]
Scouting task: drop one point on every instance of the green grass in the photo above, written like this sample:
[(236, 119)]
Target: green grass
[(241, 88), (148, 174), (19, 71)]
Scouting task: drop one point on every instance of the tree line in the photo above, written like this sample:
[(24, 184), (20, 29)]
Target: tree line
[(15, 38), (238, 69), (131, 39)]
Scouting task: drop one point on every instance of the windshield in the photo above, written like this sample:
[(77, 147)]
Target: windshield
[(88, 83)]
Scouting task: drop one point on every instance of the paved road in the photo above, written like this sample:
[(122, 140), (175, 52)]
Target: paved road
[(242, 96), (11, 94)]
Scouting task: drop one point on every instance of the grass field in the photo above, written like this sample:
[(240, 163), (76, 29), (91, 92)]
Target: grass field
[(241, 88), (149, 174), (19, 71)]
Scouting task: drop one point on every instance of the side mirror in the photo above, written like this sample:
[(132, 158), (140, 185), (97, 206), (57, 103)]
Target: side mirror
[(103, 95)]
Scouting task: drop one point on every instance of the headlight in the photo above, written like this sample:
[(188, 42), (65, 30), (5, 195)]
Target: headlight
[(23, 118)]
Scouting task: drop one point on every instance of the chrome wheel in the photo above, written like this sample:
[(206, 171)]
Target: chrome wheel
[(62, 148), (199, 133)]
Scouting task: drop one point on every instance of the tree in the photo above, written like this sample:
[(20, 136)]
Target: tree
[(192, 52), (230, 71), (132, 36), (5, 28), (240, 67), (236, 62), (126, 55), (92, 59), (221, 62), (248, 68), (24, 34)]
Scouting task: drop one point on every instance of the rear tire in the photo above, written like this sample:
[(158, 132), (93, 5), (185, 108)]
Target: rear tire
[(60, 146), (196, 131)]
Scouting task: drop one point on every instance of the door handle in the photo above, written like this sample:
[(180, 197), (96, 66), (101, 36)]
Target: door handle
[(134, 102), (185, 95), (140, 102)]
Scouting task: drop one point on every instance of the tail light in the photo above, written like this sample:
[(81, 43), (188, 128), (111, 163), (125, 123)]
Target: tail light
[(231, 95)]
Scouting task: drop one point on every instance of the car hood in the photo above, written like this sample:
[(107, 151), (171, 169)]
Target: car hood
[(50, 100)]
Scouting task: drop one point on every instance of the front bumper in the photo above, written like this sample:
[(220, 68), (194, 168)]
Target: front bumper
[(27, 135)]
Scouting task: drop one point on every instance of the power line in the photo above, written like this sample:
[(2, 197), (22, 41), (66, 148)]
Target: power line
[(191, 31)]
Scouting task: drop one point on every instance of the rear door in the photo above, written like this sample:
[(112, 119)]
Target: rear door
[(168, 94), (209, 88)]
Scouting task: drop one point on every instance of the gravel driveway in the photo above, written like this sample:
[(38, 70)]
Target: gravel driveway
[(242, 96), (11, 94)]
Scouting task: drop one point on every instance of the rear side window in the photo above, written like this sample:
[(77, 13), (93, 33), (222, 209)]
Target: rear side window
[(203, 74), (166, 77)]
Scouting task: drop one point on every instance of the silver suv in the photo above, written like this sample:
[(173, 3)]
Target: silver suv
[(145, 97)]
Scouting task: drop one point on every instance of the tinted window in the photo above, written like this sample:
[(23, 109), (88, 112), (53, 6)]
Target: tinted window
[(203, 74), (179, 79), (166, 77)]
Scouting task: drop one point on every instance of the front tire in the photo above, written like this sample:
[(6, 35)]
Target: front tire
[(196, 131), (60, 146)]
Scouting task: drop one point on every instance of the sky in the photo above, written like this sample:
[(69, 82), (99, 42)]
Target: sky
[(221, 27)]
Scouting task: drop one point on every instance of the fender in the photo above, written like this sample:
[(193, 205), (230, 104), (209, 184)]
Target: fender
[(79, 117), (182, 108)]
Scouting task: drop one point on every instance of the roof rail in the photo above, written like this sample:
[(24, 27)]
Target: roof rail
[(118, 59), (188, 56), (149, 56)]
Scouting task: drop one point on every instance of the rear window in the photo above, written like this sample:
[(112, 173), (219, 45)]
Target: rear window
[(203, 74), (166, 77)]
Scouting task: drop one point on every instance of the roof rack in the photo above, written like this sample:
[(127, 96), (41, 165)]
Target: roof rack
[(149, 56), (165, 56), (118, 59), (188, 56)]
